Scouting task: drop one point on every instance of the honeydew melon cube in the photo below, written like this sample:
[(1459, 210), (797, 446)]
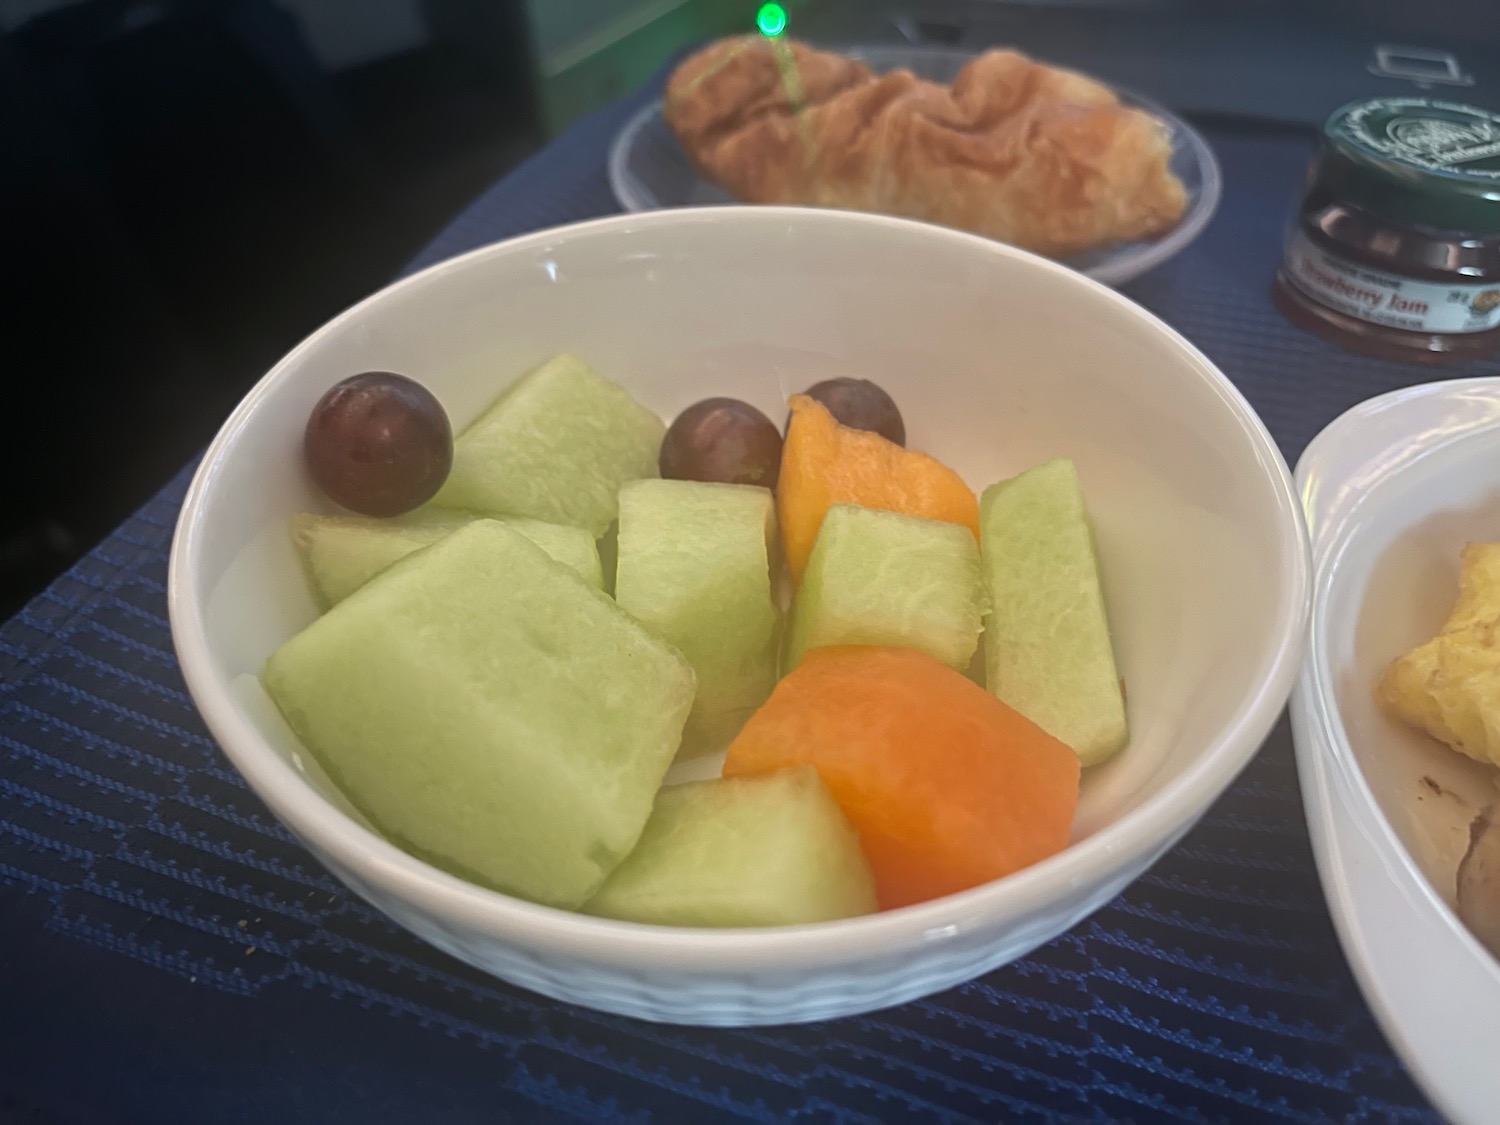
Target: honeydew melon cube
[(883, 578), (490, 712), (1047, 643), (555, 447), (341, 553), (693, 566), (769, 850)]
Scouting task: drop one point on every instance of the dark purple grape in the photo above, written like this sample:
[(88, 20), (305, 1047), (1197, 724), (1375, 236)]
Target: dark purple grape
[(722, 439), (379, 444), (861, 405)]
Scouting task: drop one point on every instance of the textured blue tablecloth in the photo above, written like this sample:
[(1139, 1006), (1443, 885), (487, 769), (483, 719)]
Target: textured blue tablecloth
[(169, 954)]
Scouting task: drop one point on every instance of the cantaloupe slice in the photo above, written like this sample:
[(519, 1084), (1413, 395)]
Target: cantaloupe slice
[(824, 463), (947, 786)]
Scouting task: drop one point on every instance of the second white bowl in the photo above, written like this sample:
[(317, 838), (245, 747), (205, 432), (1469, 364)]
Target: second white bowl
[(1393, 489)]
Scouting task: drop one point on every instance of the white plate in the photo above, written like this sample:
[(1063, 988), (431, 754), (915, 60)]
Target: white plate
[(1392, 490), (648, 169)]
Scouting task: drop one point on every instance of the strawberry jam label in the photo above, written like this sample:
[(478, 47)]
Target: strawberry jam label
[(1386, 298)]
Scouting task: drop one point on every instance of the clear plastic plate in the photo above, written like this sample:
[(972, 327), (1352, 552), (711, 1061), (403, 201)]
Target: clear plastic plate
[(648, 169)]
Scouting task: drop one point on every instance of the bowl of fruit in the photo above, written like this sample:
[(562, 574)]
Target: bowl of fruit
[(746, 615)]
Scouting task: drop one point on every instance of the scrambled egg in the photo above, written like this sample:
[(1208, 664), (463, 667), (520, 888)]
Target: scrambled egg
[(1450, 686)]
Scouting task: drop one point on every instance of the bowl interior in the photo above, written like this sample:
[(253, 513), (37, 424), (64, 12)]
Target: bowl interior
[(1396, 581), (998, 360)]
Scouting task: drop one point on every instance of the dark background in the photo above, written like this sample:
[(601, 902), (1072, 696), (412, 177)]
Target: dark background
[(188, 187)]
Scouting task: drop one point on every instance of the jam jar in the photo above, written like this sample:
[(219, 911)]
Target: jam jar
[(1395, 250)]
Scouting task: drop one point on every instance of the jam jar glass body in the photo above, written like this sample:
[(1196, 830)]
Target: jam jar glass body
[(1395, 249)]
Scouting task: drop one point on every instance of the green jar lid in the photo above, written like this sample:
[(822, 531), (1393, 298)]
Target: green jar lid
[(1419, 161)]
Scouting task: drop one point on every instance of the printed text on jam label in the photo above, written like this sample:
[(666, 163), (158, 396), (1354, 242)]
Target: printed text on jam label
[(1388, 299)]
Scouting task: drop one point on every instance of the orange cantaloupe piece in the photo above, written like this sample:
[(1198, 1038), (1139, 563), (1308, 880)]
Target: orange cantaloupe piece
[(825, 463), (947, 786)]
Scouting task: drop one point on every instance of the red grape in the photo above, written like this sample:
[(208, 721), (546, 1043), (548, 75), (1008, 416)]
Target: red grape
[(379, 444), (725, 440), (861, 405)]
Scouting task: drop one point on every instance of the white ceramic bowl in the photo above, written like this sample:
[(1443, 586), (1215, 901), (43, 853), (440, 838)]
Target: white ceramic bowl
[(999, 360), (1393, 490)]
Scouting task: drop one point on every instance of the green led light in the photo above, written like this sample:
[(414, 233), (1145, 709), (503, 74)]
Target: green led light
[(771, 20)]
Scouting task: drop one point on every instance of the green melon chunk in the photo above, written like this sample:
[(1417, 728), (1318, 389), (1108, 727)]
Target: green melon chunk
[(555, 447), (882, 578), (1047, 644), (341, 553), (490, 712), (693, 566), (609, 547), (770, 850), (574, 547)]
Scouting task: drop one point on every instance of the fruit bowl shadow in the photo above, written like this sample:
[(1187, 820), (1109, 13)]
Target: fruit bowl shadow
[(999, 359)]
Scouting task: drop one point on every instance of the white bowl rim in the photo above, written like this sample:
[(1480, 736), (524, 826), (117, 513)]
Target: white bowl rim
[(1159, 820)]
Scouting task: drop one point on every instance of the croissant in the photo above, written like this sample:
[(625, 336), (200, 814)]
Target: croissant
[(1025, 153)]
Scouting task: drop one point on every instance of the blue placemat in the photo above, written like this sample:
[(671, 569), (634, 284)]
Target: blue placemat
[(169, 954)]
